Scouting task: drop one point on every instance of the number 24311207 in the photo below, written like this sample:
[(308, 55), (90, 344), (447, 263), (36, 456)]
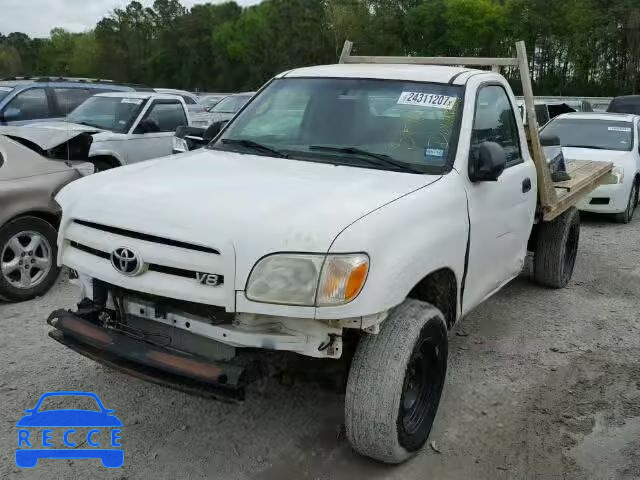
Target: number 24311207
[(427, 100)]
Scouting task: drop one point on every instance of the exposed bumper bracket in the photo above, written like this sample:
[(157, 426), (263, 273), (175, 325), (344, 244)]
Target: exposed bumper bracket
[(144, 360)]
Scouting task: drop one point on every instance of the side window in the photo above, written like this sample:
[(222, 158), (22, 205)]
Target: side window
[(495, 122), (31, 104), (167, 115), (188, 100), (69, 98), (542, 114)]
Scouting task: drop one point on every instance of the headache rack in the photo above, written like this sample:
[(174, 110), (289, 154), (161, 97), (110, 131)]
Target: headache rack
[(553, 197)]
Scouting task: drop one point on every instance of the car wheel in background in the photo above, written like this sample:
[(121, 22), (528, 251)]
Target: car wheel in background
[(627, 215), (101, 165), (27, 258)]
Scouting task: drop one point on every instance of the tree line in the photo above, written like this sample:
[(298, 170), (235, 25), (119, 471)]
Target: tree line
[(576, 47)]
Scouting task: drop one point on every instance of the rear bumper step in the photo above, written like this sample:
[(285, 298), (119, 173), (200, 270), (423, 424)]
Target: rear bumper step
[(190, 374)]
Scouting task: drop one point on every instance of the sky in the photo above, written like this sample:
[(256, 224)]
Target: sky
[(36, 18)]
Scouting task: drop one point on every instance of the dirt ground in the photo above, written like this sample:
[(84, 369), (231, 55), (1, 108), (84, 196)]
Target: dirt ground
[(542, 384)]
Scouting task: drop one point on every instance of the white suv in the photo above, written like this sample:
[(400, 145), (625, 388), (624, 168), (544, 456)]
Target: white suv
[(127, 127)]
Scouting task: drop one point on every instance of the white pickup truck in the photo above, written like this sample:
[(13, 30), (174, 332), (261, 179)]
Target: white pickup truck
[(127, 127), (353, 211)]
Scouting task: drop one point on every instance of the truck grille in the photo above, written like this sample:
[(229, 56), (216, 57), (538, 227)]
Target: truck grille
[(146, 237), (172, 269), (178, 272)]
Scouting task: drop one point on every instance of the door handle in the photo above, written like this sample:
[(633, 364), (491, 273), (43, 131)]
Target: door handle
[(526, 185)]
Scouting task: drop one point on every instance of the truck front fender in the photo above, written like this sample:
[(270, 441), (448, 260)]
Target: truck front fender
[(406, 240), (105, 152)]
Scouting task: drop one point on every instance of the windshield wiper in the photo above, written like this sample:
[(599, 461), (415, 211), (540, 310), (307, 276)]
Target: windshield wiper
[(371, 157), (592, 147), (243, 142)]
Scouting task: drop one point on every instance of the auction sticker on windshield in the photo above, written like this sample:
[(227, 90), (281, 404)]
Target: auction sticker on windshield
[(135, 101), (620, 129), (427, 100)]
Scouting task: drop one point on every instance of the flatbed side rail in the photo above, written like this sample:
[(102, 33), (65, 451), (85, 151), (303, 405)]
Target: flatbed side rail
[(548, 199)]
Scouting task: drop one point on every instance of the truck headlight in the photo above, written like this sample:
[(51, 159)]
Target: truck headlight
[(308, 279), (615, 177), (180, 145)]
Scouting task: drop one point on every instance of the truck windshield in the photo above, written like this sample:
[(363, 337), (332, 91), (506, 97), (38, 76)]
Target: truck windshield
[(592, 133), (389, 124), (4, 91), (107, 113), (231, 104)]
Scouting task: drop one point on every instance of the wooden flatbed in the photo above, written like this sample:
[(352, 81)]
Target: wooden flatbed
[(585, 177), (553, 198)]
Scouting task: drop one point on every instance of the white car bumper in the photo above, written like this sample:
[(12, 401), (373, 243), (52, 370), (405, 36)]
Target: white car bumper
[(607, 199)]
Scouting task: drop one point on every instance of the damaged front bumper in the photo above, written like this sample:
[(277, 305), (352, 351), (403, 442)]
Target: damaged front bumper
[(165, 366)]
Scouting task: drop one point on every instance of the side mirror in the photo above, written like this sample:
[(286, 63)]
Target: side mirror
[(10, 114), (182, 131), (147, 126), (487, 161), (550, 140), (214, 129)]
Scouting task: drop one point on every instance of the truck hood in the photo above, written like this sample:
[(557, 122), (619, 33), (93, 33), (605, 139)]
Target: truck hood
[(42, 137), (72, 129), (43, 143), (68, 126), (255, 205)]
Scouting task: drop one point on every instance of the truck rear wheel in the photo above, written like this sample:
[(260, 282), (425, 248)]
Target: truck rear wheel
[(557, 249), (395, 383)]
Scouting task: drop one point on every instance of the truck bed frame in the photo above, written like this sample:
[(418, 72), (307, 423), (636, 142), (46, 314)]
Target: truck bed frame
[(554, 198)]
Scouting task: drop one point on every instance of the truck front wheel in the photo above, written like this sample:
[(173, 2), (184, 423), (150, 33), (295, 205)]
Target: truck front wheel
[(557, 249), (395, 383)]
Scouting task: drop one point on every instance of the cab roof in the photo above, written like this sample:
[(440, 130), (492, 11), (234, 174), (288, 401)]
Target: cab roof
[(414, 73)]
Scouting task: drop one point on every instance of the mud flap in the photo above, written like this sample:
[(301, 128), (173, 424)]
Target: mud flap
[(170, 368)]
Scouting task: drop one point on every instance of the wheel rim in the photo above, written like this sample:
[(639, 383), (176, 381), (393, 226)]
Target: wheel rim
[(423, 382), (26, 260), (571, 251)]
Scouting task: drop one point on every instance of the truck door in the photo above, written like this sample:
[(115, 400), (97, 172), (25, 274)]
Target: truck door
[(153, 137), (501, 212)]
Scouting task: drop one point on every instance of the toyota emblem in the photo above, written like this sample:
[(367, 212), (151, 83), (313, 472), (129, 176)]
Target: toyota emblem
[(127, 262)]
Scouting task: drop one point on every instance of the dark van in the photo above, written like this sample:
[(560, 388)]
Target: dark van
[(626, 104)]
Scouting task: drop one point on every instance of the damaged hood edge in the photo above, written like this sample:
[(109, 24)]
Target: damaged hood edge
[(44, 137)]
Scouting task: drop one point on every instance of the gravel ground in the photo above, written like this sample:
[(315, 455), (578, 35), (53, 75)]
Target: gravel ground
[(542, 384)]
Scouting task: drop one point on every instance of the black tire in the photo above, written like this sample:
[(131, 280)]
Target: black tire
[(556, 250), (395, 383), (627, 215), (101, 165), (48, 277)]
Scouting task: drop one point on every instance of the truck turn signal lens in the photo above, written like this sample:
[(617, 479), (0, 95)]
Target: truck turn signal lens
[(356, 281), (343, 276)]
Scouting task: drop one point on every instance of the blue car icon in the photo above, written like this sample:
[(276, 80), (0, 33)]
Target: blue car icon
[(68, 419)]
